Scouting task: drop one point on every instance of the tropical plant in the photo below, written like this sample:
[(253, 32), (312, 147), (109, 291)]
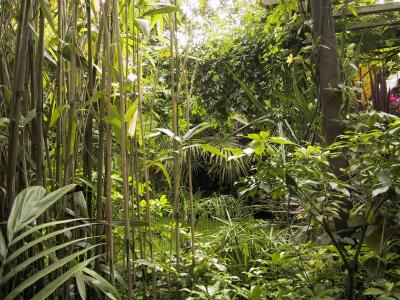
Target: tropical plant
[(60, 250)]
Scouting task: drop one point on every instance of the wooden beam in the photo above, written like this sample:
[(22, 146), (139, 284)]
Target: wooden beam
[(366, 25), (370, 9)]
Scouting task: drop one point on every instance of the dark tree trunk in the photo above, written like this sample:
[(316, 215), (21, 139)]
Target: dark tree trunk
[(327, 66)]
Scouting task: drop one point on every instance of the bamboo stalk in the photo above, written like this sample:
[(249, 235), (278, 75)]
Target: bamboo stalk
[(39, 153), (68, 158), (146, 170), (117, 38), (17, 99), (108, 158), (88, 136)]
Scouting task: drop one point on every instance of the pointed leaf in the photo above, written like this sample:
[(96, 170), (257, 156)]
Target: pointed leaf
[(165, 172), (195, 130), (21, 266), (133, 123), (33, 210), (3, 247), (52, 286), (80, 282), (104, 285), (379, 191), (80, 201), (131, 110), (25, 201), (163, 8)]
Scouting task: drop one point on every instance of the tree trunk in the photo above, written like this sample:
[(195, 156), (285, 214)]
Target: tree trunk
[(327, 66)]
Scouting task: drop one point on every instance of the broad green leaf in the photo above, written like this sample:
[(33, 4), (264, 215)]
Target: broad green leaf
[(104, 285), (373, 292), (355, 221), (24, 203), (280, 140), (118, 277), (33, 210), (384, 177), (169, 133), (131, 110), (353, 10), (113, 121), (29, 117), (4, 122), (163, 8), (379, 191)]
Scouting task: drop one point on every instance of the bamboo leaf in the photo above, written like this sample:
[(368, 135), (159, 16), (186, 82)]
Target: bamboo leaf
[(195, 130), (212, 149), (45, 7), (133, 123), (169, 133), (50, 288), (131, 110), (95, 98), (163, 8), (102, 284), (32, 210), (280, 141), (80, 282), (118, 276), (24, 203), (113, 121), (36, 241), (379, 191), (165, 172), (54, 284), (79, 199), (56, 115), (3, 247), (15, 270), (39, 227)]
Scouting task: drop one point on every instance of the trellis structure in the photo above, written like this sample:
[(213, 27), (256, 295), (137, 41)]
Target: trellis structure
[(375, 9)]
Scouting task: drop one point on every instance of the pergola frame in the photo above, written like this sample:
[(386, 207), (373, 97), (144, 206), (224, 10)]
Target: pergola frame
[(373, 9), (370, 10)]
